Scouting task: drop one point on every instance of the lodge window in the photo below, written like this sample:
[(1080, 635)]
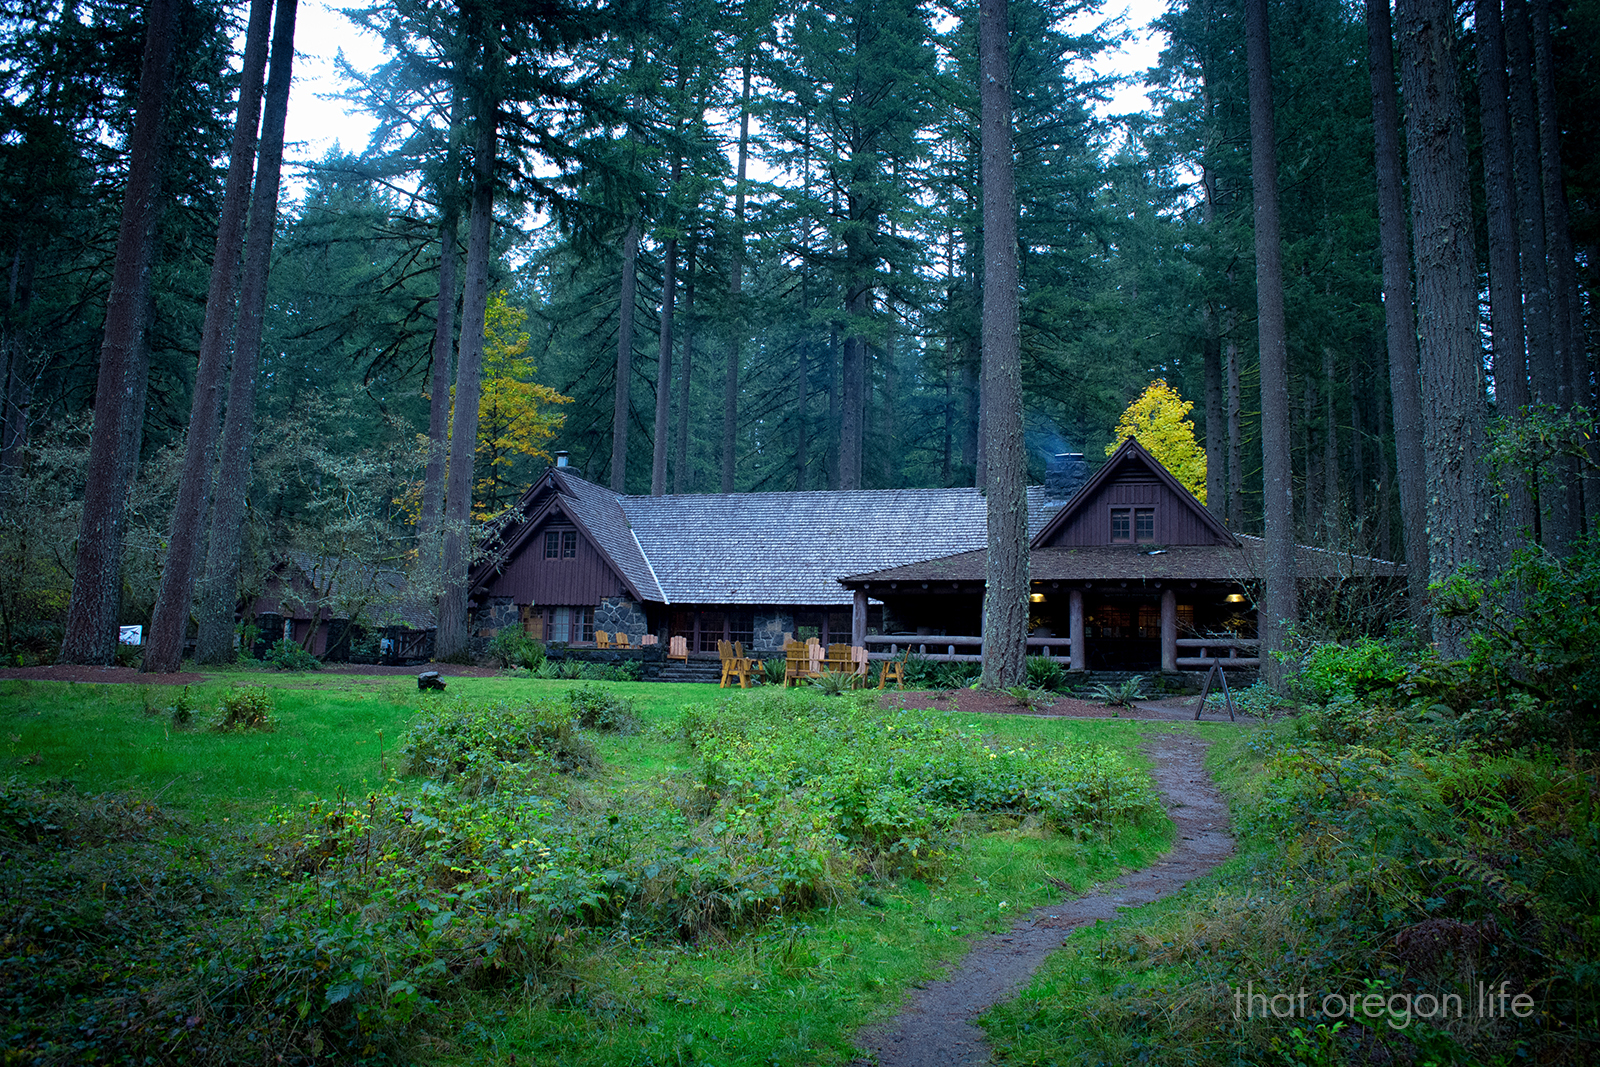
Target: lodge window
[(572, 625), (560, 544), (1129, 525)]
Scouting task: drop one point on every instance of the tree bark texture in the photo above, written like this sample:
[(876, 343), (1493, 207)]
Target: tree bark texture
[(624, 408), (730, 384), (1405, 383), (169, 620), (680, 460), (1235, 439), (1505, 282), (450, 642), (444, 341), (1279, 608), (1005, 615), (91, 628), (1555, 523), (1216, 421), (669, 300), (220, 588), (1447, 297), (1566, 327)]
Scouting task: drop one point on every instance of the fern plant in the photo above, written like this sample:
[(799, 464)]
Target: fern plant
[(1121, 695)]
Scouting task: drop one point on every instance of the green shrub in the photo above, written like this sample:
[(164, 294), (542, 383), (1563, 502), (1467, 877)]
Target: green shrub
[(834, 683), (483, 746), (1045, 673), (511, 647), (287, 655), (956, 675), (245, 707), (1122, 694), (595, 708), (1367, 667)]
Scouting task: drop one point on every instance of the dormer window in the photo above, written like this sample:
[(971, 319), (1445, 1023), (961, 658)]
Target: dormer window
[(1133, 526)]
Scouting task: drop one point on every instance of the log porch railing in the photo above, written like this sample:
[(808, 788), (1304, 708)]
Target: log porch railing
[(941, 648)]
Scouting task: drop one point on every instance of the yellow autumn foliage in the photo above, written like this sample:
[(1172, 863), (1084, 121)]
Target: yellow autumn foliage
[(1156, 420)]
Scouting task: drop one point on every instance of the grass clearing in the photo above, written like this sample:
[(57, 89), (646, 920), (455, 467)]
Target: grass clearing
[(745, 878), (1409, 874)]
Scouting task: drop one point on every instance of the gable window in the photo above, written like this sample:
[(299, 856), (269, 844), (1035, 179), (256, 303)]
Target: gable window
[(1144, 524), (1121, 531), (1131, 525), (560, 544)]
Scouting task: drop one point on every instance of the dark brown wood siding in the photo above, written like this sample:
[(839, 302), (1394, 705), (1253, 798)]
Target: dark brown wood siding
[(529, 578), (1177, 519)]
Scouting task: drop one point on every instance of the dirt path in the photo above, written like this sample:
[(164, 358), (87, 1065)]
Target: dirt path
[(935, 1028)]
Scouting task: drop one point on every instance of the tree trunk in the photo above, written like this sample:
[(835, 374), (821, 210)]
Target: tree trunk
[(1405, 384), (1279, 608), (624, 408), (444, 331), (888, 425), (1216, 421), (1554, 522), (16, 374), (1566, 327), (186, 535), (450, 643), (669, 300), (833, 405), (1005, 614), (730, 385), (91, 628), (1505, 283), (1333, 502), (680, 461), (219, 589), (1447, 298), (1235, 439), (802, 399)]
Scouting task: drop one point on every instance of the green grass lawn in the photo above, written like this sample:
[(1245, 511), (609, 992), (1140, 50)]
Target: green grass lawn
[(789, 983)]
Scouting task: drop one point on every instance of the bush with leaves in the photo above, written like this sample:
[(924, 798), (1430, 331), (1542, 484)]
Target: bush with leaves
[(1121, 694), (287, 655), (511, 647), (481, 745), (245, 707), (1046, 673), (597, 708), (1535, 631)]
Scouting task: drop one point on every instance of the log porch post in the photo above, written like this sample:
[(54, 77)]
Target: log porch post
[(1075, 628), (1169, 631), (858, 619)]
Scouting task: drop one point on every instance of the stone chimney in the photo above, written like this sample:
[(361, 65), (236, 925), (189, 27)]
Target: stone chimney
[(1064, 473)]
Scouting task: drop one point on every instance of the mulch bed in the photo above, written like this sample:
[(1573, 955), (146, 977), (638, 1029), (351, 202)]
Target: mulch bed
[(62, 672)]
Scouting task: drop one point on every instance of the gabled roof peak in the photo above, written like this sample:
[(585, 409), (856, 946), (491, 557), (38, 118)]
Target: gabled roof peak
[(1129, 452)]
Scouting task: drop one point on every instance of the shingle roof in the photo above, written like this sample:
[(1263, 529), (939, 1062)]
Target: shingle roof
[(599, 511), (791, 548), (1117, 563), (774, 548)]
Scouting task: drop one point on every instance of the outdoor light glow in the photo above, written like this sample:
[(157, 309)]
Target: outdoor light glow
[(1037, 598), (1234, 598)]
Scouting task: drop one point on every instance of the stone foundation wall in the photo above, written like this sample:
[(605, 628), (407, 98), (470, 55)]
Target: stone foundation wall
[(618, 614), (496, 613), (770, 626)]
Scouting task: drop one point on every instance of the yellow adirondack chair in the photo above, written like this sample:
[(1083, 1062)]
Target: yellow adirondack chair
[(678, 648), (602, 639)]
